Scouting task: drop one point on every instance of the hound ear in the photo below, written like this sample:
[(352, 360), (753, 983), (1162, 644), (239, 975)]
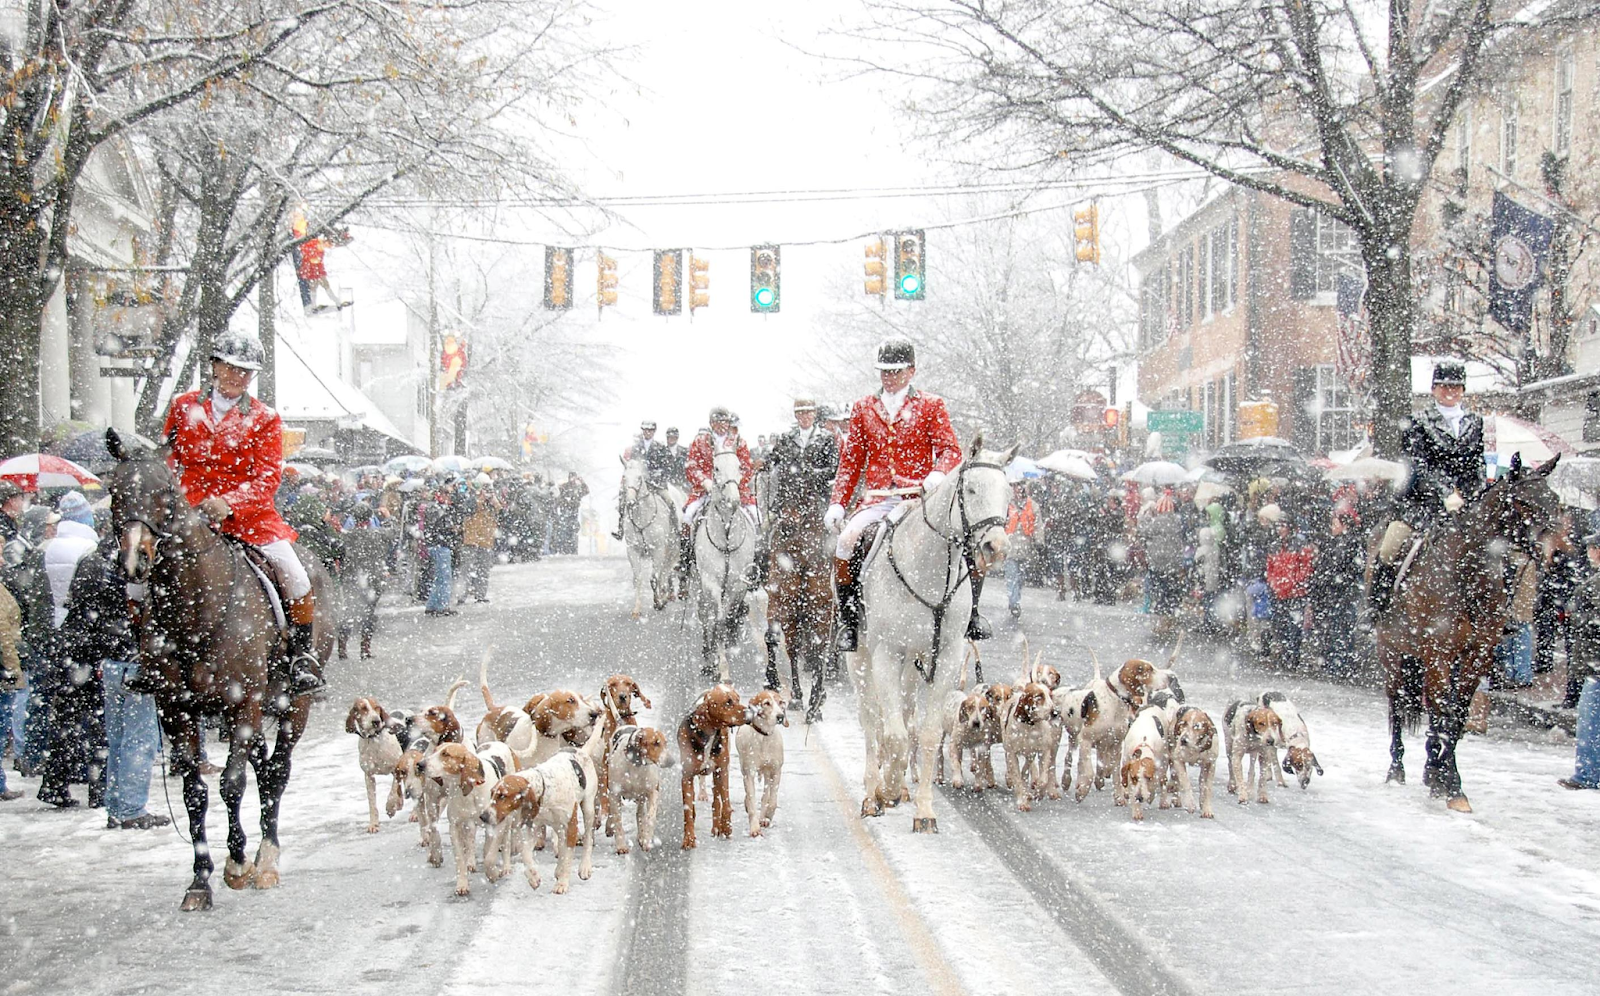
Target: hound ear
[(1546, 467), (1010, 454), (976, 447)]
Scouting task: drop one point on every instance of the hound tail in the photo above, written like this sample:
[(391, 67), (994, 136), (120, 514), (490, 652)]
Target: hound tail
[(1176, 647), (450, 696), (1097, 675), (483, 678)]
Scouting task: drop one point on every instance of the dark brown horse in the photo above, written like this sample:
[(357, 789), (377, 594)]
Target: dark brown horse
[(800, 608), (209, 635), (1436, 643)]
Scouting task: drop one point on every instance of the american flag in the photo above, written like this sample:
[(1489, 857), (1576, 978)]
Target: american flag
[(1354, 342)]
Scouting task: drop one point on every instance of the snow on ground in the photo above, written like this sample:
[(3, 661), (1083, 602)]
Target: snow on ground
[(1353, 886)]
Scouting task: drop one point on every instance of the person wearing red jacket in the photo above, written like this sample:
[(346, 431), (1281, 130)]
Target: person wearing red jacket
[(700, 465), (228, 449), (899, 443)]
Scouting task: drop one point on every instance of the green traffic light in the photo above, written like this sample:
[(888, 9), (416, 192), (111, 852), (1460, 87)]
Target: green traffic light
[(910, 284), (765, 296)]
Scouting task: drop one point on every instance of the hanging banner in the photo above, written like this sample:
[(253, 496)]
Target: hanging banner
[(1521, 242), (1354, 348)]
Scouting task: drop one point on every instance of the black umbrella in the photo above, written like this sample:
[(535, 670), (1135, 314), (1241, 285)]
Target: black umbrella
[(1266, 456), (319, 455)]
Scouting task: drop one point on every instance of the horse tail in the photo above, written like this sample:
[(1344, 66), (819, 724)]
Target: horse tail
[(450, 696)]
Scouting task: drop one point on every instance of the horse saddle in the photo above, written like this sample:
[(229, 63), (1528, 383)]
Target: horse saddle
[(1411, 555), (267, 574)]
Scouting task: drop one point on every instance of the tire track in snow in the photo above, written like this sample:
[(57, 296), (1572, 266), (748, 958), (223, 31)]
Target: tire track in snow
[(653, 956), (1116, 949)]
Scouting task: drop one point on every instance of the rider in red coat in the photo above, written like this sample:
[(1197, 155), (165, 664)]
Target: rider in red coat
[(228, 448), (898, 438), (700, 468)]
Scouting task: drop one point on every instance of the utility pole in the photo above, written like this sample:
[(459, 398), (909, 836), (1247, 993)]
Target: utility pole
[(429, 366), (267, 303)]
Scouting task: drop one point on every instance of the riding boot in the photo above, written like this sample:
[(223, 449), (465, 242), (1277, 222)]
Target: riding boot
[(760, 568), (617, 534), (1380, 590), (849, 605), (978, 628), (305, 672)]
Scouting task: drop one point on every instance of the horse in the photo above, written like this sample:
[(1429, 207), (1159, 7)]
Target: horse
[(209, 634), (650, 530), (1436, 642), (724, 550), (916, 594), (800, 599)]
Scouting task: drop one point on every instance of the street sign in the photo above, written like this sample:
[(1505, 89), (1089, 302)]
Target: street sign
[(1176, 427), (1176, 423)]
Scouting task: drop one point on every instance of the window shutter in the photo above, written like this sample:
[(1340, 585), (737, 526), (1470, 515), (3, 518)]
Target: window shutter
[(1302, 254)]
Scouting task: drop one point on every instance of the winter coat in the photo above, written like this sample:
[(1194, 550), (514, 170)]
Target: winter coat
[(10, 638), (1020, 518), (1164, 542), (1439, 461), (802, 476), (361, 575), (479, 528), (1289, 569), (1586, 628), (97, 627), (701, 467), (239, 459), (884, 455)]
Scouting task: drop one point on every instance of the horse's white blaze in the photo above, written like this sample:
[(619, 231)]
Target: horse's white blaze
[(134, 537)]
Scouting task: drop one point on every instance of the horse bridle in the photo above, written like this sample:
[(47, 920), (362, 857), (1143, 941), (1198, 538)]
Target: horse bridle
[(965, 540), (633, 504)]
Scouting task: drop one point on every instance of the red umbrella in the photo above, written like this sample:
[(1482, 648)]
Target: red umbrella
[(33, 471)]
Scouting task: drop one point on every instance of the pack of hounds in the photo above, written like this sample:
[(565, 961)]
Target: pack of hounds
[(560, 765), (1131, 729)]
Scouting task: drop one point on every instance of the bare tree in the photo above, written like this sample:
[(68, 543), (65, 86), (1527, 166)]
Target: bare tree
[(1337, 105)]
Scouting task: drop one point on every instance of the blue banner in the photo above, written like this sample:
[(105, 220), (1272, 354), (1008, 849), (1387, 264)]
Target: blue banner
[(1520, 240)]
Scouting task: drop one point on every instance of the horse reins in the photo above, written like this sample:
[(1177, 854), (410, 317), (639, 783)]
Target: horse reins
[(965, 541)]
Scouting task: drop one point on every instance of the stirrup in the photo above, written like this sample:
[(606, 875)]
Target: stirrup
[(304, 679), (845, 641), (978, 628)]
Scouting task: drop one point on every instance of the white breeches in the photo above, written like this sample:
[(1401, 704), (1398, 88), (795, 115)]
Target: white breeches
[(296, 582), (691, 511), (857, 524)]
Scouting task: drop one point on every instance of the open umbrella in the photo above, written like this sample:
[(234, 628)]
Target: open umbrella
[(450, 464), (1265, 456), (33, 471), (1071, 463), (1157, 472), (410, 463), (1504, 436), (1369, 469), (1021, 469), (319, 455), (492, 463), (1205, 491), (1576, 480), (302, 469)]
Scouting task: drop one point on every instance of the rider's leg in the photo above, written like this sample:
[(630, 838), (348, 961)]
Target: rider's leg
[(844, 576), (622, 502), (305, 671), (760, 568), (1386, 566)]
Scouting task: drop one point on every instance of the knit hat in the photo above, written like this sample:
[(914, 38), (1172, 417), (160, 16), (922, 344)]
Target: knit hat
[(74, 507)]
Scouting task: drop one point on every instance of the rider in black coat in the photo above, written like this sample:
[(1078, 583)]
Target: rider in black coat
[(804, 461), (1443, 448)]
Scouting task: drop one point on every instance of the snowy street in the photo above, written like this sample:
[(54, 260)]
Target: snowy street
[(1350, 887)]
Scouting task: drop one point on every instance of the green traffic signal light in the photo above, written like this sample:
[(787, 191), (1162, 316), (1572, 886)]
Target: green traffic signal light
[(765, 297), (910, 284)]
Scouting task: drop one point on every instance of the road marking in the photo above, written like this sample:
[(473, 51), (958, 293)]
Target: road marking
[(920, 941)]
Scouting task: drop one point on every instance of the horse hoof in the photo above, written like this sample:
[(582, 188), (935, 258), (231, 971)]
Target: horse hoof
[(240, 878), (1459, 804), (196, 899), (924, 824), (871, 807), (267, 880)]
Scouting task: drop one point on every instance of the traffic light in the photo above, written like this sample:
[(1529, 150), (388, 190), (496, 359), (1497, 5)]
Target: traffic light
[(1111, 418), (877, 270), (910, 264), (1086, 233), (557, 278), (764, 261), (605, 293), (452, 362), (699, 283), (668, 282)]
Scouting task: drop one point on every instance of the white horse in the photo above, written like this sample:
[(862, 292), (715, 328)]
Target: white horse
[(917, 596), (650, 530), (724, 550)]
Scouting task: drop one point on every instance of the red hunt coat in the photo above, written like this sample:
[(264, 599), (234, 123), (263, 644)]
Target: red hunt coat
[(882, 455), (700, 468), (239, 460)]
